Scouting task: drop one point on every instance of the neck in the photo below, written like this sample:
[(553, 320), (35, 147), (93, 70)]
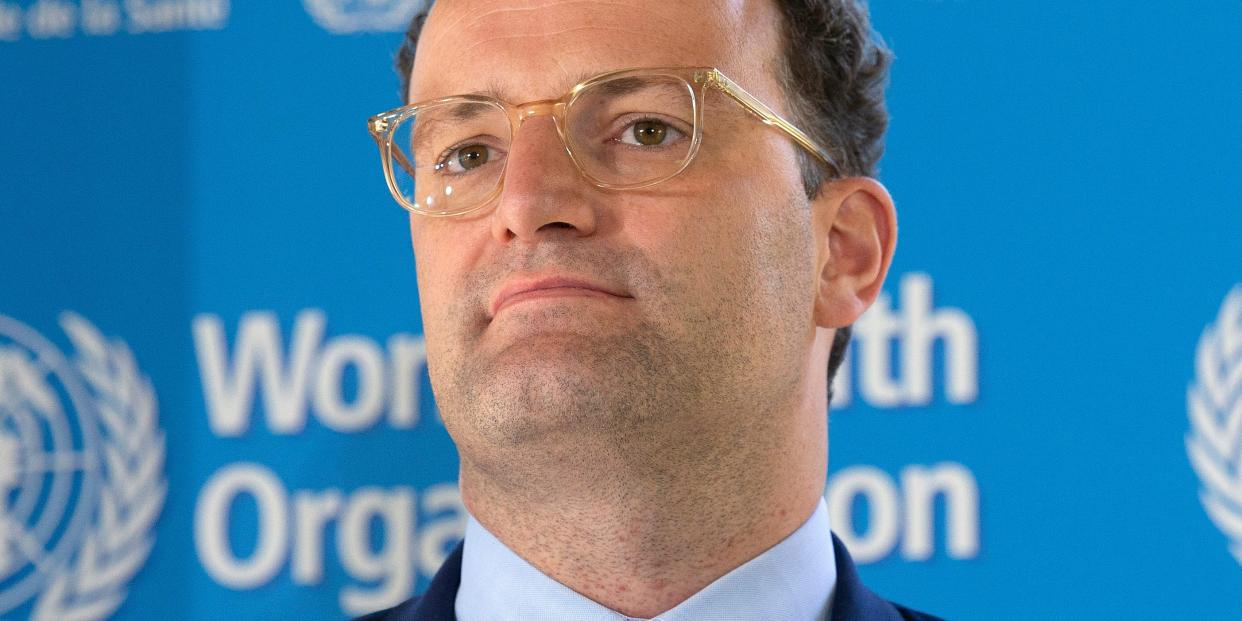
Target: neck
[(640, 525)]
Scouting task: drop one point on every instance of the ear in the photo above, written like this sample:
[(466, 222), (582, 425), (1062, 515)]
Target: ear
[(855, 226)]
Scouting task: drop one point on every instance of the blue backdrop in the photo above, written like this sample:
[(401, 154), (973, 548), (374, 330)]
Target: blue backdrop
[(1042, 417)]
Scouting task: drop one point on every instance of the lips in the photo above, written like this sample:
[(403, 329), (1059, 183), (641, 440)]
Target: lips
[(517, 290)]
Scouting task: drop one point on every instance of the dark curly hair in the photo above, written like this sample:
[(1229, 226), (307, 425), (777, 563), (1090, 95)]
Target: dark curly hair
[(834, 69)]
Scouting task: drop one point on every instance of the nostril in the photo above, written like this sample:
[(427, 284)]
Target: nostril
[(557, 225)]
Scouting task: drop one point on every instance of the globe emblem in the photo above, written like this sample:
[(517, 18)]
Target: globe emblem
[(49, 463)]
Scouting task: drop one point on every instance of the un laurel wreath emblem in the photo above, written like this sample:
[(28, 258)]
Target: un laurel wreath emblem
[(81, 472), (1214, 404)]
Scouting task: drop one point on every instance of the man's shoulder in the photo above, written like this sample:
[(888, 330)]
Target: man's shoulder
[(392, 614), (853, 601), (436, 604), (913, 615)]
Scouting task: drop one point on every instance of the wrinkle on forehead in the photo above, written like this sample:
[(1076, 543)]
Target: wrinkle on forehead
[(497, 11), (539, 48)]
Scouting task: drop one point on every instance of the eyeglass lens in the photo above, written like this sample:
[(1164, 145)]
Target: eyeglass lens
[(624, 132)]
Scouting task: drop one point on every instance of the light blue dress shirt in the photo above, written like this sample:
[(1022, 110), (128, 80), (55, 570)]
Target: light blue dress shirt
[(791, 581)]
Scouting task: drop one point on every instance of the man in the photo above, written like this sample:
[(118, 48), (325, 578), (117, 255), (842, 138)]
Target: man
[(631, 290)]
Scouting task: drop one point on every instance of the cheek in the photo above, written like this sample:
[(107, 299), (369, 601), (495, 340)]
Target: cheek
[(426, 267), (729, 244), (770, 217), (445, 248), (440, 260), (757, 246), (437, 270)]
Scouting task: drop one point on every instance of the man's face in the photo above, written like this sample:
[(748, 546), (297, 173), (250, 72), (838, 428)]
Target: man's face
[(676, 307)]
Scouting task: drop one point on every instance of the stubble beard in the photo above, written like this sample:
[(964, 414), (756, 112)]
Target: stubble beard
[(596, 388), (616, 384), (680, 369), (589, 386)]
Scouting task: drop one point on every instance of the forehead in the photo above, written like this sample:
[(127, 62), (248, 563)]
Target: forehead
[(536, 49)]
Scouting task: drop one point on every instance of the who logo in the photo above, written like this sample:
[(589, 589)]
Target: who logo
[(350, 16), (1214, 403), (81, 472)]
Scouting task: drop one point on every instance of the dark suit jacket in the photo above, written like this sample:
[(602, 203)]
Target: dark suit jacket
[(850, 602)]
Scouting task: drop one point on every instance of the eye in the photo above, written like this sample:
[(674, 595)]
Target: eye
[(650, 133), (464, 158)]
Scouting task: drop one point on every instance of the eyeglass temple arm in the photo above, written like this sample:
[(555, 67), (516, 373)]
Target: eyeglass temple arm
[(770, 117), (379, 128), (400, 157)]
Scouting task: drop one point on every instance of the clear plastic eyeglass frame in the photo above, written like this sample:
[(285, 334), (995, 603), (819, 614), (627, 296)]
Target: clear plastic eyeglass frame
[(697, 79)]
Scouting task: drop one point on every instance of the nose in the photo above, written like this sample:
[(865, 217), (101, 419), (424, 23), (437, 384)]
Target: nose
[(543, 193)]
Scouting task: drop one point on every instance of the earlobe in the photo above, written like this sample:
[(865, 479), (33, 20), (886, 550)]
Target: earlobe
[(856, 233)]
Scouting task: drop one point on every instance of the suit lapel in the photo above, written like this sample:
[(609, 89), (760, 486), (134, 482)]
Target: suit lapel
[(438, 603), (851, 601)]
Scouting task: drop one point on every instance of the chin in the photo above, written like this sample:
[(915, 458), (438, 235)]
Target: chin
[(552, 387)]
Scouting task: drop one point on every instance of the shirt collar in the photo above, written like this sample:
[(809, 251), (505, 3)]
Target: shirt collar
[(792, 580)]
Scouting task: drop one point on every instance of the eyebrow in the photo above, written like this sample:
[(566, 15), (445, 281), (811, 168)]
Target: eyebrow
[(620, 86), (493, 89), (423, 130), (496, 89)]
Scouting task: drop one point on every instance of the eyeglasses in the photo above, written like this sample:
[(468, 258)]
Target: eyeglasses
[(623, 130)]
